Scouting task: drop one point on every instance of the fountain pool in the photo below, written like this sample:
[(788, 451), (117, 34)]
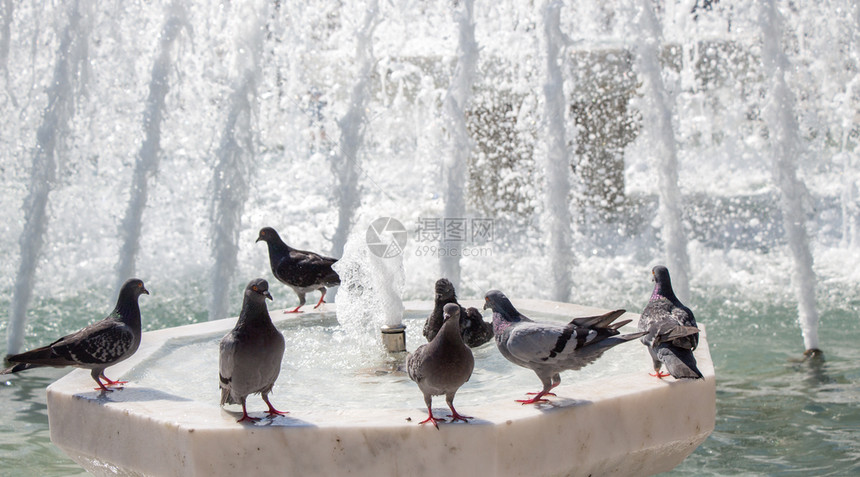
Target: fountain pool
[(352, 410)]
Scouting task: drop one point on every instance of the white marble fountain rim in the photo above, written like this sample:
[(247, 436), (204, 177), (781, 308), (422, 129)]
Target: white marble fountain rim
[(208, 415)]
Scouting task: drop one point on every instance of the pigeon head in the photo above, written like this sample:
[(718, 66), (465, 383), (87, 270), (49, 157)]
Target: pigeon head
[(662, 283), (258, 288), (445, 290), (133, 288), (451, 312), (499, 303), (268, 234)]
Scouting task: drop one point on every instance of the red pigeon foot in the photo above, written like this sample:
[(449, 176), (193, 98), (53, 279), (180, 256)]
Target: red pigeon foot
[(535, 400), (457, 417), (433, 420), (109, 382)]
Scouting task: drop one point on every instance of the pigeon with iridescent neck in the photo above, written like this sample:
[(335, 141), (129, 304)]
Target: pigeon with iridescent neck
[(671, 330), (548, 348), (442, 365), (96, 347)]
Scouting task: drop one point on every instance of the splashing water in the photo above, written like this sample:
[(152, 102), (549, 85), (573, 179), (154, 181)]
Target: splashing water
[(71, 58), (148, 156), (235, 161), (370, 290), (785, 140), (666, 156)]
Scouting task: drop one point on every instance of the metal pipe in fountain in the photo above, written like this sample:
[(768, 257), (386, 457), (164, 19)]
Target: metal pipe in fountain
[(394, 338)]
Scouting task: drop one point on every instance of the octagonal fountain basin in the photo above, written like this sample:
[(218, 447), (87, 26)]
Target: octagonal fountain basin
[(353, 411)]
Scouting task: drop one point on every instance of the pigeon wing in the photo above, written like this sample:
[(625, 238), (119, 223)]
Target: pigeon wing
[(546, 343), (100, 343), (413, 364), (227, 351)]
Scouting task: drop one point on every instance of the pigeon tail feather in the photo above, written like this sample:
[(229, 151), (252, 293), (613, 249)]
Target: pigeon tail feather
[(599, 321), (679, 362), (20, 367), (37, 358)]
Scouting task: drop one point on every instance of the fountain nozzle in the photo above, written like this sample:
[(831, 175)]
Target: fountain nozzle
[(394, 338)]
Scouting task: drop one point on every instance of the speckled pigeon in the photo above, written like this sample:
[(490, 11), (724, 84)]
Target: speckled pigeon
[(302, 271), (549, 348), (473, 328), (671, 329), (96, 347), (442, 365), (251, 354)]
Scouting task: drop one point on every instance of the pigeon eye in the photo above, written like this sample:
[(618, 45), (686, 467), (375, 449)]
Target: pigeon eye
[(254, 287)]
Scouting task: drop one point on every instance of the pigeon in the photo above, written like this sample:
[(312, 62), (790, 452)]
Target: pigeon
[(442, 365), (251, 353), (96, 347), (473, 328), (300, 270), (549, 348), (671, 330)]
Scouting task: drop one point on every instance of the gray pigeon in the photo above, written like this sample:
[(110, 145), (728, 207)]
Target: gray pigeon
[(96, 347), (302, 271), (549, 348), (442, 365), (251, 353), (671, 330), (473, 328)]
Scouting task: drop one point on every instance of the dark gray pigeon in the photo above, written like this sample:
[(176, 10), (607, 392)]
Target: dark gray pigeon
[(96, 347), (473, 328), (549, 348), (442, 365), (302, 271), (251, 354), (671, 330)]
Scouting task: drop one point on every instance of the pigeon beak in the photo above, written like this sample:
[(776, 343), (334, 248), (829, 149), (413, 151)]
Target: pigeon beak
[(144, 290), (486, 304), (268, 295), (258, 239)]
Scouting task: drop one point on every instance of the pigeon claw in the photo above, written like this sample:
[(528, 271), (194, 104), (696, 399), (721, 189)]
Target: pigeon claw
[(432, 420), (534, 400), (537, 399), (457, 417), (545, 394), (659, 375), (247, 418)]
